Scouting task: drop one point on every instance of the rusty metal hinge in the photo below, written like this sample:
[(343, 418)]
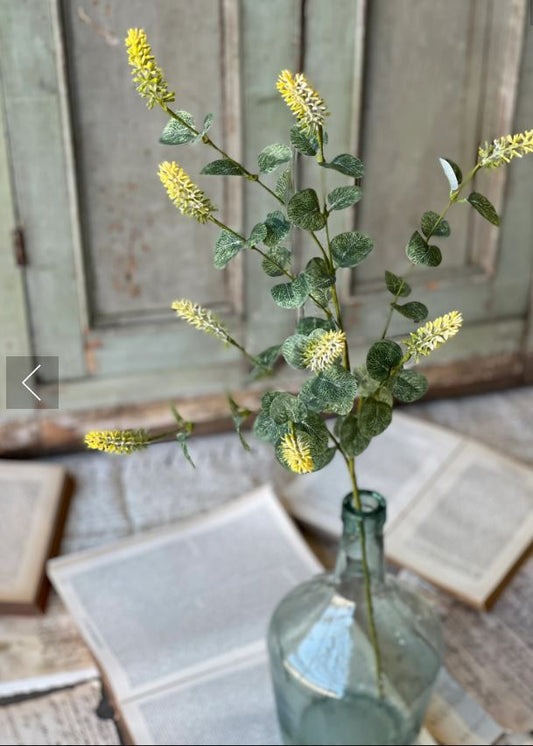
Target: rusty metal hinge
[(18, 247)]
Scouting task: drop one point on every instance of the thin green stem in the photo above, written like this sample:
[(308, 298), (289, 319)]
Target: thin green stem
[(367, 581), (208, 141), (271, 260), (454, 198)]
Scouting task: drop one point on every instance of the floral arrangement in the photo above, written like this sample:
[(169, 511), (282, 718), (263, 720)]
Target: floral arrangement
[(361, 397)]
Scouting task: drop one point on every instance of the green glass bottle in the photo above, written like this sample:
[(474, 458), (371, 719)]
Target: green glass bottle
[(322, 658)]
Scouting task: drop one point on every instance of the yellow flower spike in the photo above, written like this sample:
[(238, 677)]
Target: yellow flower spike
[(323, 350), (296, 453), (146, 73), (302, 99), (201, 318), (504, 149), (188, 198), (117, 441), (433, 334)]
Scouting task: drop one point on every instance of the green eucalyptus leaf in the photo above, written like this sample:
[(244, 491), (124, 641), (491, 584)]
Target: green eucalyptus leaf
[(176, 133), (452, 173), (351, 248), (374, 417), (208, 121), (267, 430), (413, 310), (346, 164), (352, 440), (276, 258), (273, 156), (291, 294), (409, 385), (484, 207), (284, 185), (266, 361), (182, 440), (344, 196), (317, 433), (303, 142), (293, 350), (286, 407), (382, 357), (227, 246), (278, 228), (419, 252), (366, 385), (222, 167), (304, 210), (334, 388), (309, 323), (239, 416), (397, 285), (258, 234), (323, 459), (318, 275), (428, 221), (383, 394)]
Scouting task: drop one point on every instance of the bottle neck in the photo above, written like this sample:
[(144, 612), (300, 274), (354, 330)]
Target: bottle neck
[(362, 536)]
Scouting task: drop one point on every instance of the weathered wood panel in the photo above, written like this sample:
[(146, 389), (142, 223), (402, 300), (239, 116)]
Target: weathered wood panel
[(34, 129), (140, 252)]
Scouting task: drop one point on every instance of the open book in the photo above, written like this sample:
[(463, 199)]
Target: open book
[(33, 506), (177, 620), (459, 514)]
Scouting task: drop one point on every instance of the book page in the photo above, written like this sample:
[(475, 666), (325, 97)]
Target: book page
[(397, 464), (230, 706), (64, 717), (42, 652), (176, 602), (29, 497), (467, 532)]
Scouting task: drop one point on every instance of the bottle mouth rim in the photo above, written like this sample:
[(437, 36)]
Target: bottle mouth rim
[(373, 504)]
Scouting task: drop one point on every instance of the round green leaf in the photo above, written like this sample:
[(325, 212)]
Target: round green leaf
[(273, 156), (419, 252), (397, 285), (286, 407), (351, 438), (267, 430), (334, 389), (276, 260), (484, 207), (304, 210), (346, 164), (413, 310), (258, 234), (227, 246), (304, 143), (265, 362), (222, 167), (176, 133), (318, 275), (374, 417), (310, 323), (291, 294), (409, 385), (293, 350), (428, 222), (284, 185), (382, 357), (278, 228), (344, 196), (351, 248)]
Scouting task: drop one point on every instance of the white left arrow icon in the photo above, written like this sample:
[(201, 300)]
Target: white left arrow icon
[(27, 387)]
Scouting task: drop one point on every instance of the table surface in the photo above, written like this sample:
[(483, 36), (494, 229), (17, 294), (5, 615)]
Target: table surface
[(490, 654)]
